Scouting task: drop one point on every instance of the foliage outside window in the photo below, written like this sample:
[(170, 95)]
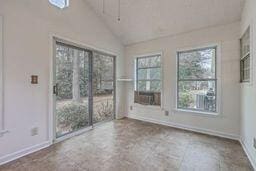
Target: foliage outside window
[(245, 57), (197, 81), (60, 3), (148, 80), (72, 86)]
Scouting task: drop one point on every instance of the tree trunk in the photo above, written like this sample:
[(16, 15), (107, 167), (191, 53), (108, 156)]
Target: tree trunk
[(76, 86)]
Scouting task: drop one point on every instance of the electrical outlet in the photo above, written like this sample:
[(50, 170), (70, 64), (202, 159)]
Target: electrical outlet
[(166, 113), (254, 143), (34, 131), (130, 107)]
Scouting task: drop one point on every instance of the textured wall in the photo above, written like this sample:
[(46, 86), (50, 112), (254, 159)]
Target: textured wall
[(28, 26), (227, 37)]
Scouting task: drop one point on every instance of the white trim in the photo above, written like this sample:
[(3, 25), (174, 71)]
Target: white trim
[(13, 156), (218, 76), (125, 79), (2, 125), (149, 54), (250, 157), (197, 112), (70, 135), (154, 107), (81, 45), (186, 127), (52, 118)]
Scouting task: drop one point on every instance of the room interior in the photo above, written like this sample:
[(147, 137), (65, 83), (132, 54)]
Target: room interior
[(127, 85)]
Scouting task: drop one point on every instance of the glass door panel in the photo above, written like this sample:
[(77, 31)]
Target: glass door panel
[(71, 90), (103, 87)]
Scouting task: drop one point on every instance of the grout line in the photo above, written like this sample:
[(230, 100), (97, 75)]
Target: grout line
[(186, 149)]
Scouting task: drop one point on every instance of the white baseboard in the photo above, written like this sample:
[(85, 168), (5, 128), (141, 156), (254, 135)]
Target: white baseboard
[(13, 156), (186, 127), (252, 160)]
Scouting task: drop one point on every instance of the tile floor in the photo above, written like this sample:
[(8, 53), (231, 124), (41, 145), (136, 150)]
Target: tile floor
[(135, 145)]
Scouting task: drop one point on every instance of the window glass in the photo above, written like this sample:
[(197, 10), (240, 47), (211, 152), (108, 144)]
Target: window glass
[(197, 83), (148, 80), (149, 74), (59, 3), (245, 57), (245, 69), (197, 64), (200, 95), (151, 61)]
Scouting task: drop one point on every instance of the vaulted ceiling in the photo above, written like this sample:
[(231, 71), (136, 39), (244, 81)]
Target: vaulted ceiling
[(143, 20)]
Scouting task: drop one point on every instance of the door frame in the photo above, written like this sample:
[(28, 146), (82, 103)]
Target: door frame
[(52, 97)]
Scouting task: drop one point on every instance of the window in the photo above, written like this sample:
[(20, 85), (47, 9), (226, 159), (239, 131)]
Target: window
[(197, 81), (60, 3), (245, 57), (148, 80)]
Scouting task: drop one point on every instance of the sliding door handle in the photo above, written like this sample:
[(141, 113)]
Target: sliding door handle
[(55, 89)]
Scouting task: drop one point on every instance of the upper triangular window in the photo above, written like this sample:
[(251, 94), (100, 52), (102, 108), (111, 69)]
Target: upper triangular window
[(59, 3)]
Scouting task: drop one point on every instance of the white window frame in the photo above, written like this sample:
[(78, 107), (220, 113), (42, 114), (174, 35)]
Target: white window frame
[(56, 5), (162, 76), (218, 111), (250, 81)]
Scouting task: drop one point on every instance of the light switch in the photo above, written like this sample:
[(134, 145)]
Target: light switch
[(34, 79)]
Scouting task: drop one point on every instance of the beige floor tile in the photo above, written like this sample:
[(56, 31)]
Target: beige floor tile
[(128, 144)]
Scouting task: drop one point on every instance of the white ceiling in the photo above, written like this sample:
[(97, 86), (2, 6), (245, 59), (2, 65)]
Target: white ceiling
[(143, 20)]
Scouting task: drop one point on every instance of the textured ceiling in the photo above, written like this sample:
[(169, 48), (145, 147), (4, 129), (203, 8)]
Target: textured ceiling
[(143, 20)]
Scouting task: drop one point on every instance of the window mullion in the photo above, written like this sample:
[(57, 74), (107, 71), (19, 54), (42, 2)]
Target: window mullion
[(149, 80), (153, 67), (208, 79)]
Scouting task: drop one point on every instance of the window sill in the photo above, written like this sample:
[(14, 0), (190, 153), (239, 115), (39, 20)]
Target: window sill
[(246, 83), (147, 106), (202, 113)]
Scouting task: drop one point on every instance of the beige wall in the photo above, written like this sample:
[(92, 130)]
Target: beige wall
[(28, 26), (248, 91), (227, 123)]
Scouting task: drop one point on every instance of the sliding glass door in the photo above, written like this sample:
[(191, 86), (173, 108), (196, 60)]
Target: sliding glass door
[(71, 89), (103, 87), (84, 88)]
